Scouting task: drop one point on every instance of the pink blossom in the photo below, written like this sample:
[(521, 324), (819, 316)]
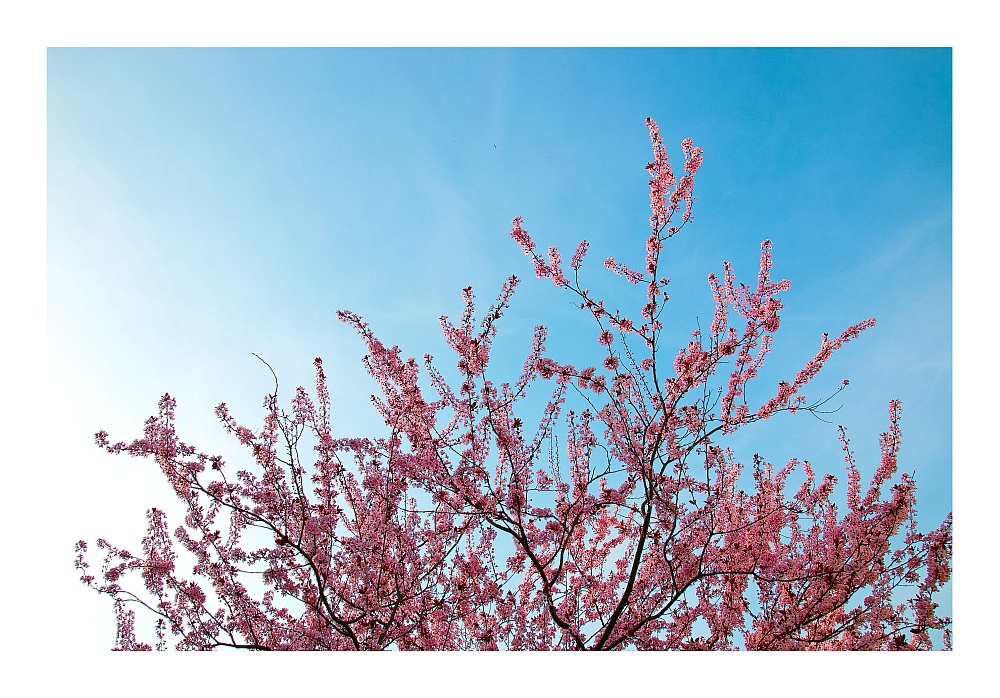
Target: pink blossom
[(581, 251), (521, 236)]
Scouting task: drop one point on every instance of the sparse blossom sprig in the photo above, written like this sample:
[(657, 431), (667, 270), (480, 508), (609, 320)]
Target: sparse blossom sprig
[(630, 275), (581, 252)]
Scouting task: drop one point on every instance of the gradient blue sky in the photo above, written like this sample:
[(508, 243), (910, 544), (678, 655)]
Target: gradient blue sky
[(206, 204)]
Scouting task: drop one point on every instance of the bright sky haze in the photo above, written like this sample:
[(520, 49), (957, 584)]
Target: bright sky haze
[(205, 205)]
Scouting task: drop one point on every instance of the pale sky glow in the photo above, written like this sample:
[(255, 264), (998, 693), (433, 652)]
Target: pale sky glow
[(204, 205)]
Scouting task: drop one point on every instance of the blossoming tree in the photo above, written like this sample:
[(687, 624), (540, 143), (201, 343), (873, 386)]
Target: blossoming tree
[(647, 534)]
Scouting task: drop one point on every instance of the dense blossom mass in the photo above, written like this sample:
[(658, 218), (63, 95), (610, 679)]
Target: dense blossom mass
[(640, 531)]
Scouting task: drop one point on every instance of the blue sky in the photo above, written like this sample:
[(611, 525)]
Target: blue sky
[(207, 204)]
